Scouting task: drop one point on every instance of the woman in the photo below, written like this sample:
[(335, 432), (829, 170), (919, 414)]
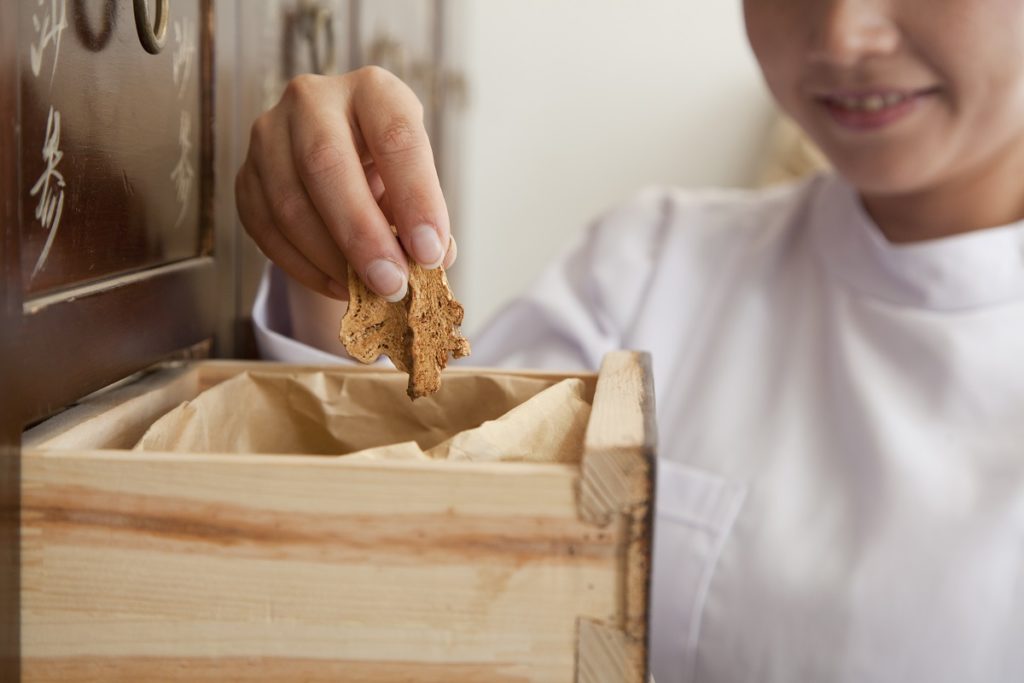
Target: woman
[(841, 399)]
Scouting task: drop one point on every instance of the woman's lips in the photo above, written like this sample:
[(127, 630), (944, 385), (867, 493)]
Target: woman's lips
[(873, 110)]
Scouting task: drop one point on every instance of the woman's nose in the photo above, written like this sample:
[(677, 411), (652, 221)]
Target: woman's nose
[(848, 31)]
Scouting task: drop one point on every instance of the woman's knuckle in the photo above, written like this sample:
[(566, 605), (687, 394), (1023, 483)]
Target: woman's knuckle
[(322, 158), (289, 209), (416, 195), (361, 224), (302, 88), (376, 83), (398, 137), (374, 76)]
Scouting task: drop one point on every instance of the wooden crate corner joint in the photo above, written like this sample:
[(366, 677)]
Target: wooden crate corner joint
[(617, 483)]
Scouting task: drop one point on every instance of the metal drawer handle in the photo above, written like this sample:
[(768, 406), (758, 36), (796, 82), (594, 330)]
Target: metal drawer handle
[(93, 41), (152, 35), (316, 24)]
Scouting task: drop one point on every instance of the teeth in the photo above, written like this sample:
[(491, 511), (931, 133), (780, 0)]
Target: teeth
[(869, 103), (874, 103)]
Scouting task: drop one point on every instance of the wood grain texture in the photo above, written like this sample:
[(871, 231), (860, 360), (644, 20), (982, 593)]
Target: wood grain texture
[(617, 485), (621, 436), (222, 556), (603, 655), (268, 670), (150, 566), (79, 343), (195, 567), (117, 417), (122, 118)]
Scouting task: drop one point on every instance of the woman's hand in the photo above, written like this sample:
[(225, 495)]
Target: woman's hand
[(330, 168)]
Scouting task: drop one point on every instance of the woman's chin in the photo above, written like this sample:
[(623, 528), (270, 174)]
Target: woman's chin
[(881, 177)]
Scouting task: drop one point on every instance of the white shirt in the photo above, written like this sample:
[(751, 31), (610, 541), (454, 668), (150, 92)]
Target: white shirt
[(841, 429)]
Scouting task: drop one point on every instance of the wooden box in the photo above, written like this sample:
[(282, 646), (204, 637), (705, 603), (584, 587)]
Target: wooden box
[(199, 567)]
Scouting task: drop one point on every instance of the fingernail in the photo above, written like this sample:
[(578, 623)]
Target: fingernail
[(337, 290), (387, 279), (426, 247), (453, 252)]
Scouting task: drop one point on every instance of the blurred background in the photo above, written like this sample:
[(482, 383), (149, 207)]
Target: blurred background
[(543, 113), (573, 106)]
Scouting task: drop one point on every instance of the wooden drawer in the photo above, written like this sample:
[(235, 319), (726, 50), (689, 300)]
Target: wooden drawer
[(199, 567)]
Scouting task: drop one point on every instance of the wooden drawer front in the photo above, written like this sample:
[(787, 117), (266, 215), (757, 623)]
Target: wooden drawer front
[(115, 146)]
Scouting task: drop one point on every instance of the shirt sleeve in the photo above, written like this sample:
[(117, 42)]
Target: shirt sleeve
[(272, 326)]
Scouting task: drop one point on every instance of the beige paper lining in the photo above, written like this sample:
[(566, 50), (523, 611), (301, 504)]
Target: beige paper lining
[(367, 416)]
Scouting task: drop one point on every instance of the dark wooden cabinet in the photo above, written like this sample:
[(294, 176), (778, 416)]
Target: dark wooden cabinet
[(112, 263), (119, 242), (115, 154)]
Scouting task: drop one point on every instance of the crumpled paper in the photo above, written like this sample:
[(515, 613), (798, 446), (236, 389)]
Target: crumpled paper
[(367, 416), (549, 427)]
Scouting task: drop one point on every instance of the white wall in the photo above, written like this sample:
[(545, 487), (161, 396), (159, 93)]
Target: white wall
[(576, 104)]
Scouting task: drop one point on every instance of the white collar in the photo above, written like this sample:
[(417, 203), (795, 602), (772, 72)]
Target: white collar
[(965, 271)]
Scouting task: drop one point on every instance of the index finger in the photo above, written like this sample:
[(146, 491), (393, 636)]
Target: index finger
[(390, 119)]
